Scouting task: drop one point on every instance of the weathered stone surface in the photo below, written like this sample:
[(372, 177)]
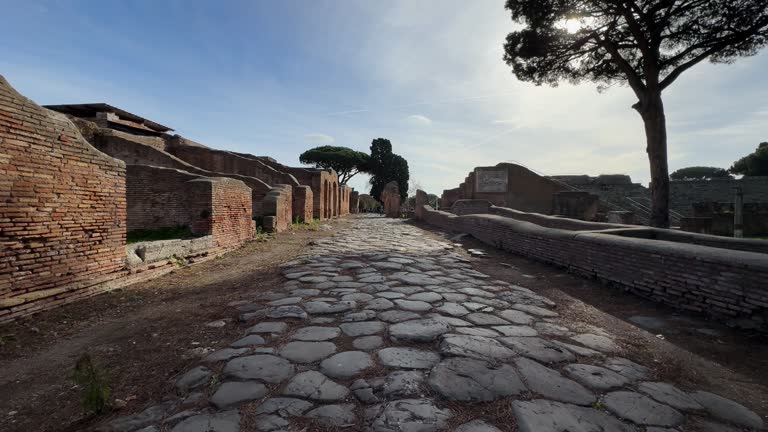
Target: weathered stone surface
[(362, 328), (270, 422), (669, 395), (316, 386), (358, 297), (413, 306), (193, 378), (233, 393), (466, 379), (287, 312), (368, 343), (478, 347), (727, 410), (286, 407), (410, 415), (548, 416), (425, 330), (407, 358), (641, 409), (538, 349), (453, 309), (267, 368), (364, 315), (316, 334), (516, 317), (249, 340), (285, 301), (551, 385), (429, 297), (516, 330), (225, 354), (380, 304), (307, 352), (320, 307), (152, 414), (395, 316), (595, 377), (226, 421), (403, 384), (346, 364), (269, 327), (551, 329), (334, 415), (480, 318), (477, 331), (596, 342), (391, 295), (628, 368)]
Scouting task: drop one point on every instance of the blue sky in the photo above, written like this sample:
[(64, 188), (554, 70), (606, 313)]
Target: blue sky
[(277, 77)]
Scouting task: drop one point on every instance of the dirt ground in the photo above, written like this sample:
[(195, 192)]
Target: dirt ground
[(143, 335), (688, 350)]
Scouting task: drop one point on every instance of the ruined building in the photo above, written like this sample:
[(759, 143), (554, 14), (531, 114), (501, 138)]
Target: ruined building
[(77, 179)]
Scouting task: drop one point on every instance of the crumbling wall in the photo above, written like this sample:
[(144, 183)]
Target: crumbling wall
[(62, 221), (303, 202), (123, 146), (728, 285), (279, 201), (227, 162), (166, 197), (390, 196)]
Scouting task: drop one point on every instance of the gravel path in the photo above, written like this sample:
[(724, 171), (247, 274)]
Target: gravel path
[(383, 328)]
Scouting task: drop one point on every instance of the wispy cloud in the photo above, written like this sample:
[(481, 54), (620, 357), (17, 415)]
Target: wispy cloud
[(418, 120), (318, 138)]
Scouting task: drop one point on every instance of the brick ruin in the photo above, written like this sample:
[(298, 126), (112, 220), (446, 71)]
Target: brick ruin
[(514, 186), (76, 179)]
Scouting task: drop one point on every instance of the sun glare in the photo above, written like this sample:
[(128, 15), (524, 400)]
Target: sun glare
[(572, 25)]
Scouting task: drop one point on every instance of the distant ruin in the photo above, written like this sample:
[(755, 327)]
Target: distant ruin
[(77, 179)]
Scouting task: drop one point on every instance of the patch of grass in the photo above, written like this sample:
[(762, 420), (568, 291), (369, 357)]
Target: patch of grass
[(170, 233), (312, 225), (6, 338), (93, 378), (260, 235)]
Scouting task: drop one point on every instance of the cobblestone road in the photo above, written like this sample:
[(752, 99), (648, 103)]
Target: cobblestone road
[(383, 328)]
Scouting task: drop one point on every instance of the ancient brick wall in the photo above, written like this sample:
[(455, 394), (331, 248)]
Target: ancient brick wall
[(470, 206), (321, 182), (123, 147), (279, 203), (231, 216), (228, 162), (303, 201), (62, 221), (165, 197), (728, 285)]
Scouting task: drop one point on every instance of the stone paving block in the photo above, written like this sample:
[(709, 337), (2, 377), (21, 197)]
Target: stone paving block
[(551, 385), (307, 352), (466, 379), (407, 358), (641, 409), (316, 386), (548, 416), (234, 393)]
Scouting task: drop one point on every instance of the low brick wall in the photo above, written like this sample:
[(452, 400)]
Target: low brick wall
[(727, 285)]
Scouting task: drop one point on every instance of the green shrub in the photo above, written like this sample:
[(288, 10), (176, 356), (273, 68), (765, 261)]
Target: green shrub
[(93, 378)]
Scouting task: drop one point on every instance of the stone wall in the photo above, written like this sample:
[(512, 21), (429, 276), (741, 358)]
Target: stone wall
[(231, 217), (62, 219), (728, 286), (303, 202)]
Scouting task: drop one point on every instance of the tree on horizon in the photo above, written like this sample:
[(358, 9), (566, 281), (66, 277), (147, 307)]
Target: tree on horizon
[(646, 44), (345, 161), (753, 164)]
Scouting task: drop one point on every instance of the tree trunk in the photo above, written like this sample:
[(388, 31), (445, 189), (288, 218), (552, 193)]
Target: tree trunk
[(651, 109)]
